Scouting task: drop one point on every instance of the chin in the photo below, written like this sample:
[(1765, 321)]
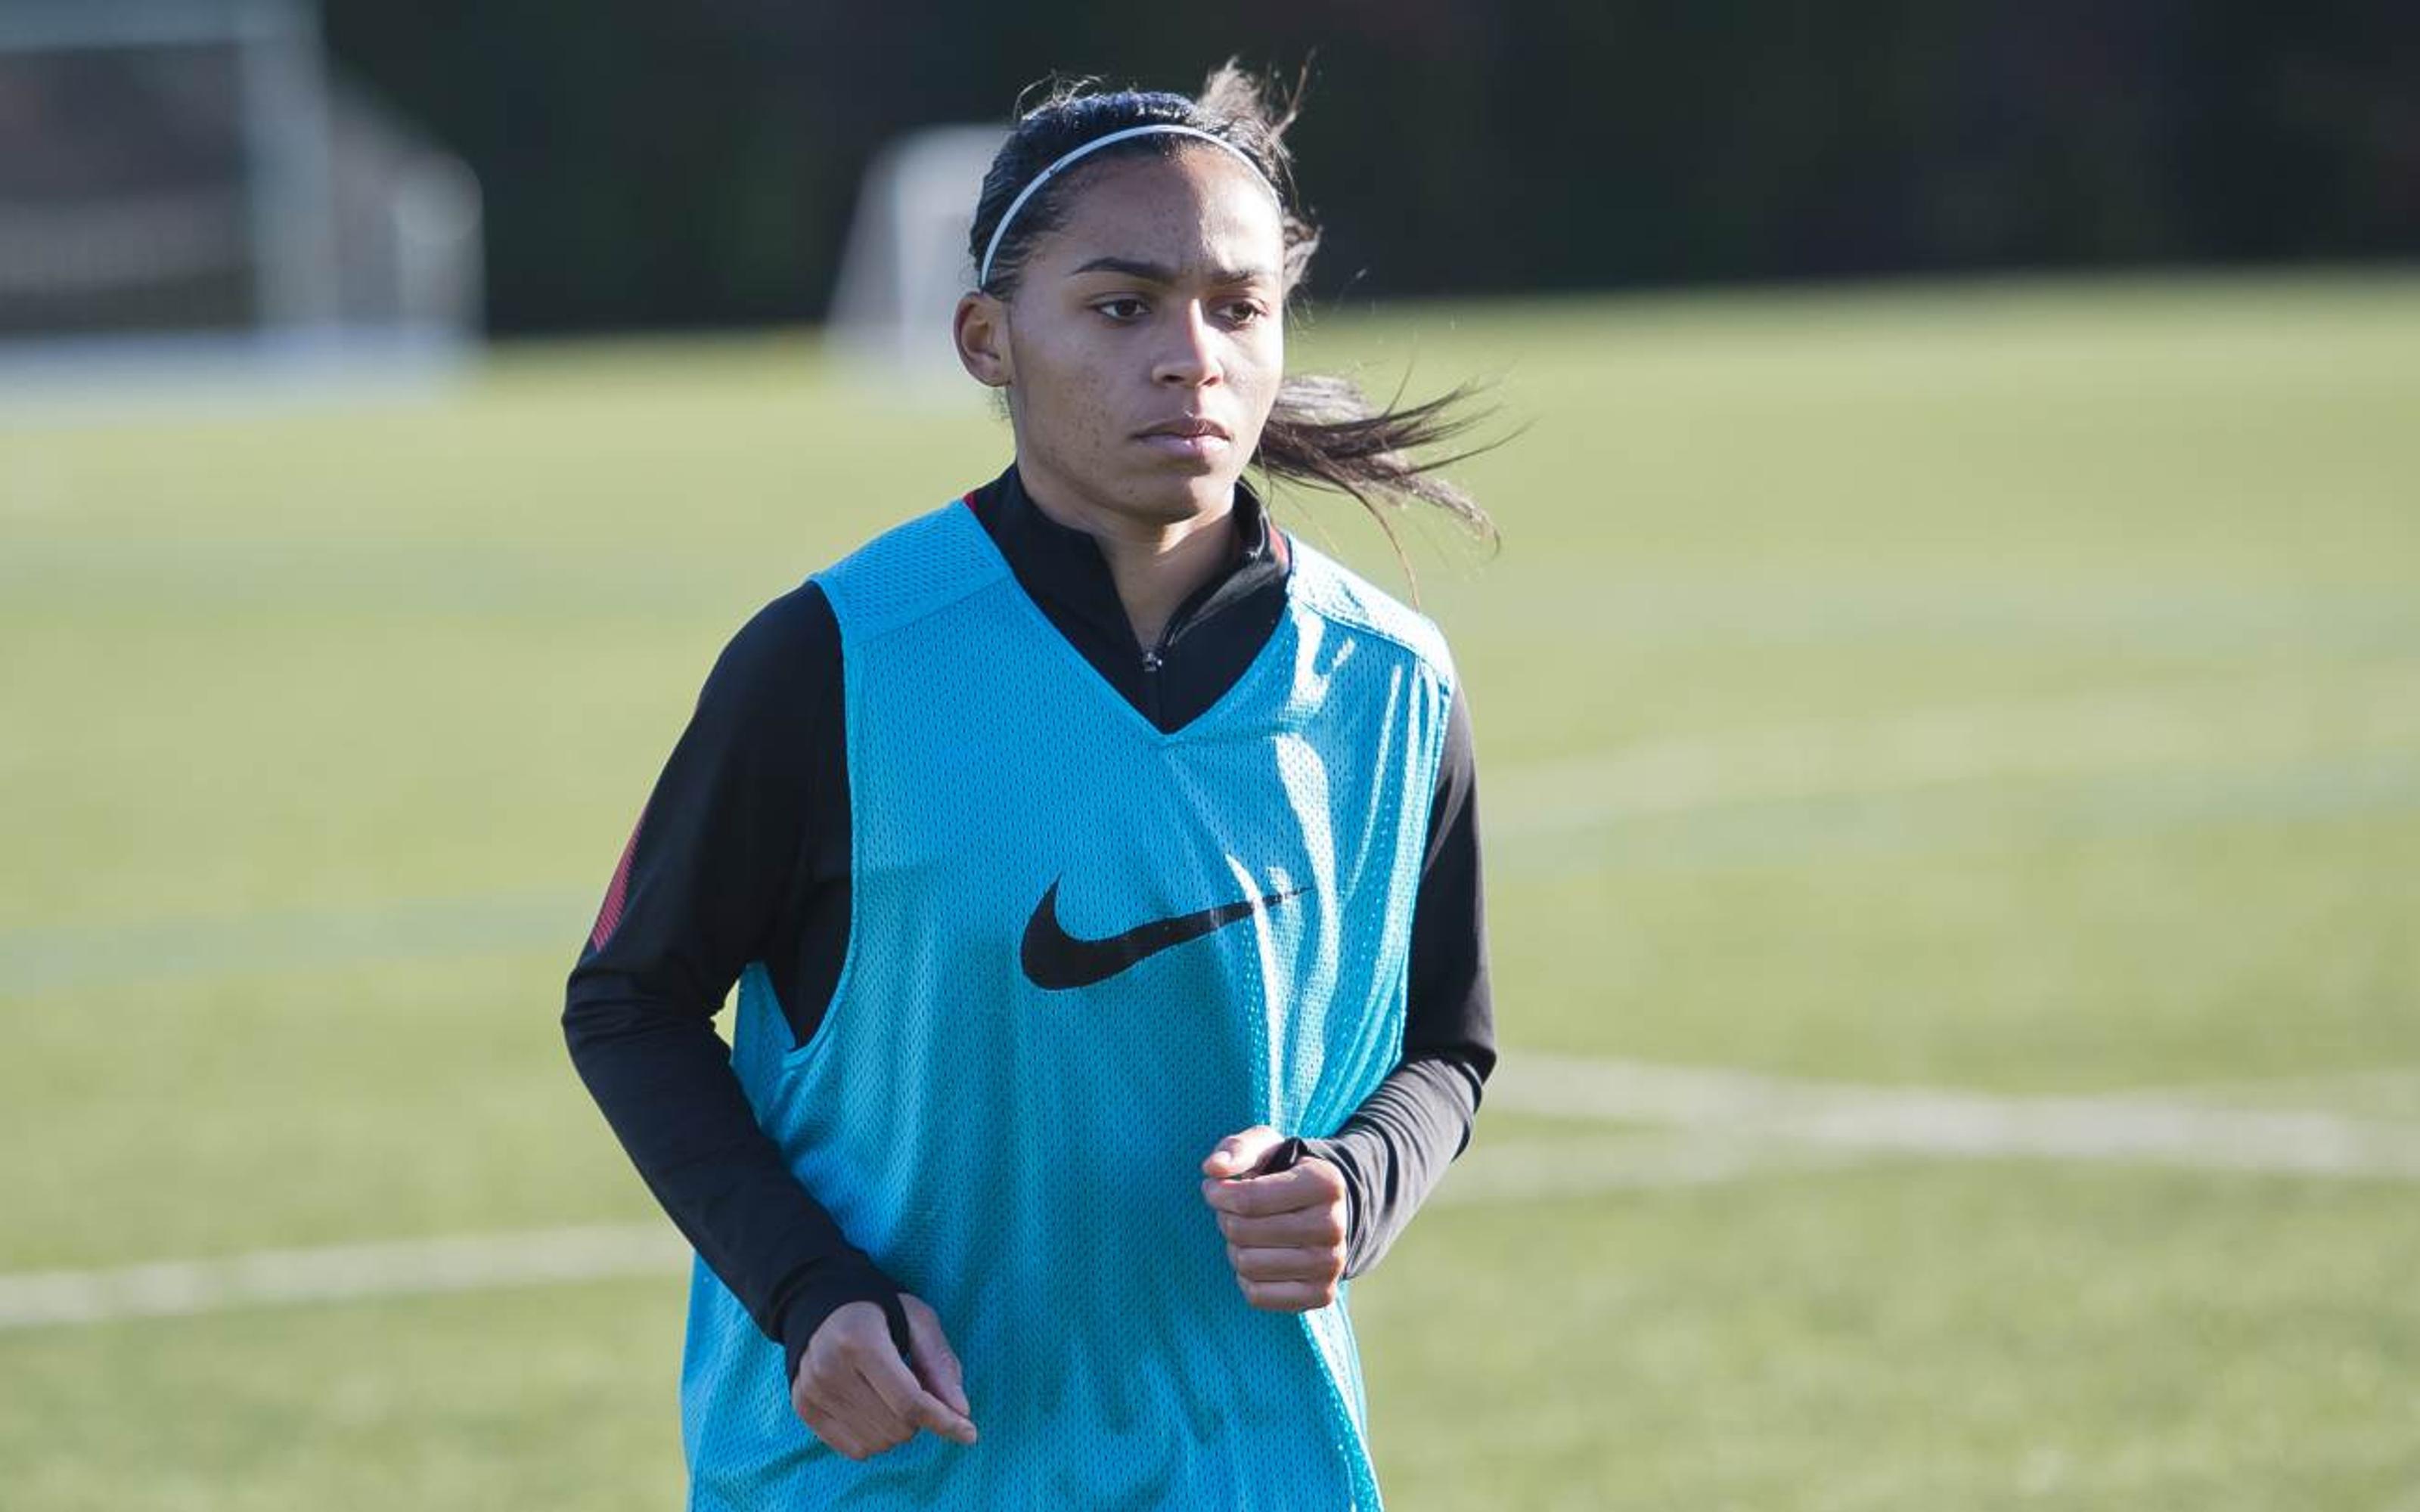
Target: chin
[(1170, 498), (1192, 497)]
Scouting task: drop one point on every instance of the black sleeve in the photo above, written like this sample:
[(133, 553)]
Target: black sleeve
[(714, 871), (1396, 1146)]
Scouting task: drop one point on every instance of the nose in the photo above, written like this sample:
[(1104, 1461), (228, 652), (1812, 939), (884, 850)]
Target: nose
[(1189, 353)]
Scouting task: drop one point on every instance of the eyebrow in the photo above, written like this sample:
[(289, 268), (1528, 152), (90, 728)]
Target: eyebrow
[(1161, 274)]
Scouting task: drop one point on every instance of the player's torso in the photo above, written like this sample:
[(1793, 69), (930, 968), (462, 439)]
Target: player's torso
[(1082, 951)]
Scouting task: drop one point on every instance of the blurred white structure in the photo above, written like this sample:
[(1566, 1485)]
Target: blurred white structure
[(905, 263), (182, 183)]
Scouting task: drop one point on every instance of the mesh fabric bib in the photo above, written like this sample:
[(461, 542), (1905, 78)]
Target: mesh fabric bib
[(1083, 951)]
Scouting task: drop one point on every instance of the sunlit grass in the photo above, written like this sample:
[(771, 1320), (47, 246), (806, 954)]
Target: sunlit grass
[(2014, 686)]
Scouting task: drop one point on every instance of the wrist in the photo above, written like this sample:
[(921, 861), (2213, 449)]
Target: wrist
[(832, 1287)]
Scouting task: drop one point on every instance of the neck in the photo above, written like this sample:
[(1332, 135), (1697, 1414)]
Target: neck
[(1156, 564)]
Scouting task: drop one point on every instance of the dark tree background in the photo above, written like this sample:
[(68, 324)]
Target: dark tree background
[(659, 164)]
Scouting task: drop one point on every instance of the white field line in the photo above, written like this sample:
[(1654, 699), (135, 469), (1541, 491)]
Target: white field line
[(1717, 1126), (1528, 1170), (2151, 727), (1940, 1123), (343, 1272), (543, 1257)]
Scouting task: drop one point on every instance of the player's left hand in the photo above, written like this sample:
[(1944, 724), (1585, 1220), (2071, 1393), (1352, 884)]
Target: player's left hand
[(1285, 1229)]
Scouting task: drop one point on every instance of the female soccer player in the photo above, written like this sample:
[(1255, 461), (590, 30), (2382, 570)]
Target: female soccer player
[(1099, 869)]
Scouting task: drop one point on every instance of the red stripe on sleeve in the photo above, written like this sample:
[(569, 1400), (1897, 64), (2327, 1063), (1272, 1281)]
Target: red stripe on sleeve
[(609, 918)]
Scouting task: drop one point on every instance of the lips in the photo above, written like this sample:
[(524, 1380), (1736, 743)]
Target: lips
[(1188, 427)]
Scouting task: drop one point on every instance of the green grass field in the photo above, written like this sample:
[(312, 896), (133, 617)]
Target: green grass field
[(2005, 690)]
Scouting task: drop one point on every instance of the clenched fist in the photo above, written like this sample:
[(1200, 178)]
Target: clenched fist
[(1285, 1229), (860, 1397)]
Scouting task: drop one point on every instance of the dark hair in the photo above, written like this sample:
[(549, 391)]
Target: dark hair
[(1321, 430)]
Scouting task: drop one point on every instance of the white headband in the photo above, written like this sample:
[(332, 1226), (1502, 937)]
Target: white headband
[(982, 274)]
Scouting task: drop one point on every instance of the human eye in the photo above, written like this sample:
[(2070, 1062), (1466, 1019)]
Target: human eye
[(1243, 311), (1121, 309)]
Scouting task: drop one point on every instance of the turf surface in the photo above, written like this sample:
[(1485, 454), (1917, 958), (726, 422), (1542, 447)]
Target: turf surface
[(2012, 687)]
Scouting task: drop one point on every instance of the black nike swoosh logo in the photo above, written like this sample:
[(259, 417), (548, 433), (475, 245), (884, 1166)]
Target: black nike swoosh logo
[(1055, 960)]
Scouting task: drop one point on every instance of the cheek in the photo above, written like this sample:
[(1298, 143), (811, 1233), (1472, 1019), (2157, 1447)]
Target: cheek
[(1260, 368), (1060, 381)]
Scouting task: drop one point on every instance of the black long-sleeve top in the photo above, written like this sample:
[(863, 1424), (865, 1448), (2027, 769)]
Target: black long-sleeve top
[(742, 854)]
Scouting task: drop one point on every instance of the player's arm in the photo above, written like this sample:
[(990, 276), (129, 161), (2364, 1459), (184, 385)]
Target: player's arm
[(713, 873), (1331, 1208)]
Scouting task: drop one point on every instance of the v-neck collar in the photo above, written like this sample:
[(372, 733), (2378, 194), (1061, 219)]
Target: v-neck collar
[(1209, 643), (1062, 568), (1265, 655)]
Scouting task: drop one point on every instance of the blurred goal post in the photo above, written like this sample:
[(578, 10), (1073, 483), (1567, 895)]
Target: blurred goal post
[(905, 261), (192, 169)]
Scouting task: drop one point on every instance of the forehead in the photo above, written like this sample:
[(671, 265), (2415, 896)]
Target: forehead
[(1198, 206)]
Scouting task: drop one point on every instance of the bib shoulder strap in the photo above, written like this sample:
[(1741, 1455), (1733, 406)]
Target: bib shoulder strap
[(1327, 588), (909, 571)]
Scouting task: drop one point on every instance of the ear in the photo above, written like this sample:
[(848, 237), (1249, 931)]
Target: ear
[(980, 332)]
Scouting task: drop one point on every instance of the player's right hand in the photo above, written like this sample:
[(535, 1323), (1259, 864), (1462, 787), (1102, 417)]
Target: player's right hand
[(860, 1397)]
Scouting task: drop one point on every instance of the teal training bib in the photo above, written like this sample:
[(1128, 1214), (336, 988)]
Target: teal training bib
[(1083, 951)]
